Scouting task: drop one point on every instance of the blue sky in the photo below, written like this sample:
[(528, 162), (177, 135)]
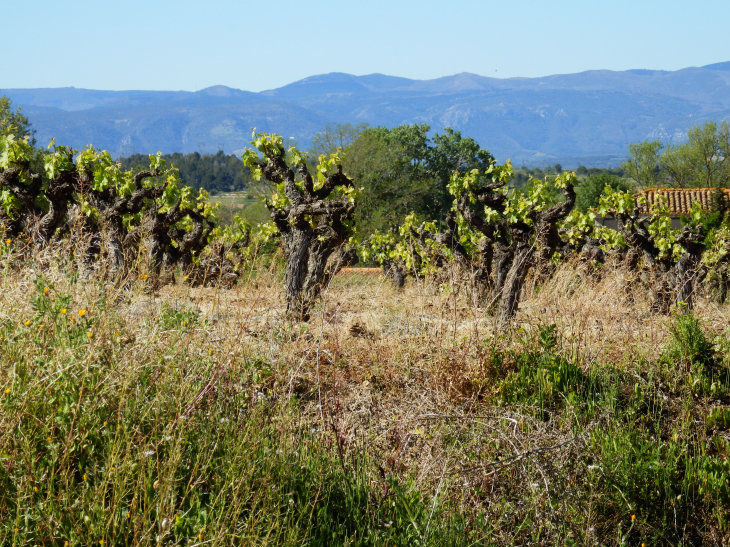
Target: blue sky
[(189, 45)]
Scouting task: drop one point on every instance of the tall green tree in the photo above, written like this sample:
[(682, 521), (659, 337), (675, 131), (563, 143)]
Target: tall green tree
[(388, 165), (642, 164), (451, 153), (402, 170), (701, 162), (13, 122), (704, 160)]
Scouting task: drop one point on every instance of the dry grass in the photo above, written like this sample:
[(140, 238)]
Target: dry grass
[(410, 376)]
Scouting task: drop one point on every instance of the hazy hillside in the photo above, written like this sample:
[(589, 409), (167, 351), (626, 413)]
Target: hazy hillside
[(587, 117)]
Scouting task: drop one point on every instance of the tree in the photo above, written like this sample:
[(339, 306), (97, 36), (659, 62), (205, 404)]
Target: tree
[(589, 191), (704, 160), (14, 123), (335, 136), (313, 217), (401, 170), (701, 162), (451, 153), (392, 184), (642, 164)]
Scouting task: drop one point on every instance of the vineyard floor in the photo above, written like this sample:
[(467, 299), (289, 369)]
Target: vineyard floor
[(198, 416)]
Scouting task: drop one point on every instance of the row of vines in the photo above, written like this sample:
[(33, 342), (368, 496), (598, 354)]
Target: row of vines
[(147, 224)]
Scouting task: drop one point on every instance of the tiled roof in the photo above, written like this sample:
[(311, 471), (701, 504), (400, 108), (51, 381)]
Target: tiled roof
[(680, 200)]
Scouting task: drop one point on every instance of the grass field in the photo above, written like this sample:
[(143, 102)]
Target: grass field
[(248, 204), (200, 417)]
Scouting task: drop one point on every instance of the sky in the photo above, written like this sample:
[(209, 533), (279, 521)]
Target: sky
[(190, 45)]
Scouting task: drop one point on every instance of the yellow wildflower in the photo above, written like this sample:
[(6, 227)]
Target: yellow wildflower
[(7, 390), (27, 323), (63, 311), (82, 313), (45, 290), (90, 334), (633, 517), (143, 276), (8, 241), (84, 477)]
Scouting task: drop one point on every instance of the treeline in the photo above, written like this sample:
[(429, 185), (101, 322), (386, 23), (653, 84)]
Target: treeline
[(214, 173)]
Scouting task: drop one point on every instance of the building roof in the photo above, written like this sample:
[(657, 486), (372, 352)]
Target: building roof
[(680, 200)]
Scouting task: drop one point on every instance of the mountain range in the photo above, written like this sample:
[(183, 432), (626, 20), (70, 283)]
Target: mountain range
[(587, 117)]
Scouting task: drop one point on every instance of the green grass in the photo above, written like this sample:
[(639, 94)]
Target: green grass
[(249, 204)]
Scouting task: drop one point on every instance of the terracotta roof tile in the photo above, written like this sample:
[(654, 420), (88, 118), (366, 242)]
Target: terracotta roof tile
[(680, 200)]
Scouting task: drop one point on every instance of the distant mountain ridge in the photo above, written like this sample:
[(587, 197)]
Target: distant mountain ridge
[(587, 117)]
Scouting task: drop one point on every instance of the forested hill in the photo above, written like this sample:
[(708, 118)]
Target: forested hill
[(587, 117)]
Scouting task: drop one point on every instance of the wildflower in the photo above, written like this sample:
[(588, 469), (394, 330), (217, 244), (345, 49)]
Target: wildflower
[(7, 390), (84, 477), (45, 290), (185, 322), (200, 536), (633, 518), (49, 439), (118, 333), (90, 334), (65, 543), (143, 276), (35, 489), (63, 311), (27, 323), (157, 318), (101, 542), (82, 313), (40, 325), (104, 423), (119, 427), (8, 241)]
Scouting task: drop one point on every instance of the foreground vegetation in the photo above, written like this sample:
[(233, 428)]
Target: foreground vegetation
[(200, 417), (541, 380)]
